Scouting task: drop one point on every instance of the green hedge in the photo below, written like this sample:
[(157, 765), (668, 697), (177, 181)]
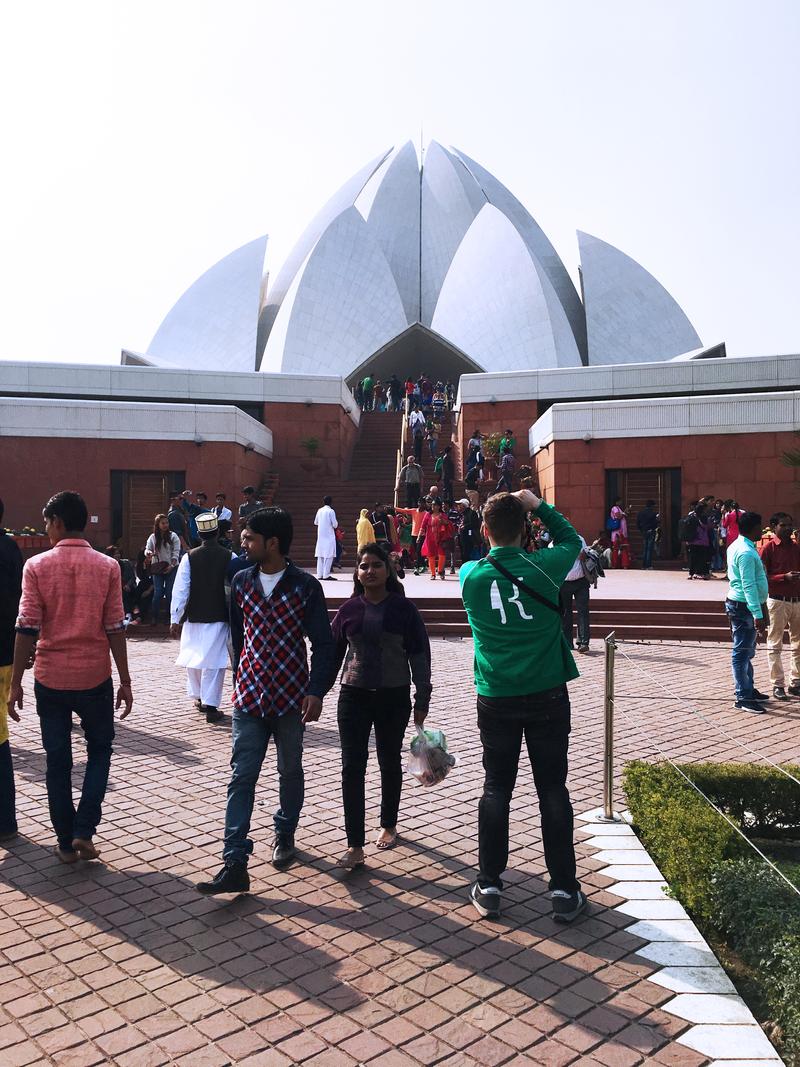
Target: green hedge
[(715, 873), (687, 838)]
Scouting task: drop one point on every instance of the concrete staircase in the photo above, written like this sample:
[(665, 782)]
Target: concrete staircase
[(370, 480), (676, 620)]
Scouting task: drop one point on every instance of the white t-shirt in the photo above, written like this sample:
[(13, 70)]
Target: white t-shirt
[(576, 570), (269, 581)]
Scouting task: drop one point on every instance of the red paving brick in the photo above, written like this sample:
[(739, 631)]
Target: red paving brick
[(123, 962)]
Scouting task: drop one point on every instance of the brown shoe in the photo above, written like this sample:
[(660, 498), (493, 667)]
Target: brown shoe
[(85, 849), (66, 856)]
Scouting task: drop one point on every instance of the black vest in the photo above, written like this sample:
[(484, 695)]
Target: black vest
[(208, 566)]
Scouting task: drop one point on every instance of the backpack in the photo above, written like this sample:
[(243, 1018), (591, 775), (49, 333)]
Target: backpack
[(687, 527), (592, 566), (613, 524)]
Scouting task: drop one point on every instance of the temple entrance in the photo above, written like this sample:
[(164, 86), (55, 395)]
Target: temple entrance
[(416, 351), (638, 486)]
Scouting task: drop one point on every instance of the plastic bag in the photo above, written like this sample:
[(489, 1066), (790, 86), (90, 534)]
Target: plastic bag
[(430, 761)]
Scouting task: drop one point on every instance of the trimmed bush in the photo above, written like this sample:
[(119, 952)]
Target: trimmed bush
[(718, 877)]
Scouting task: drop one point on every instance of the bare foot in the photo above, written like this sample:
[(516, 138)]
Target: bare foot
[(66, 856), (85, 849), (354, 857), (387, 838)]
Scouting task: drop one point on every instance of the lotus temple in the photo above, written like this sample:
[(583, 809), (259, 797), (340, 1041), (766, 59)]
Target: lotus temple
[(410, 267)]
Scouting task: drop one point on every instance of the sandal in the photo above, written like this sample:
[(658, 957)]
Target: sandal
[(349, 863), (383, 845)]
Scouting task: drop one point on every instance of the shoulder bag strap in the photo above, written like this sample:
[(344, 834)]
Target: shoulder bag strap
[(525, 588)]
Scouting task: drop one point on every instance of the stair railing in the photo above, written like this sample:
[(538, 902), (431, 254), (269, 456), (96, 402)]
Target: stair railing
[(401, 450)]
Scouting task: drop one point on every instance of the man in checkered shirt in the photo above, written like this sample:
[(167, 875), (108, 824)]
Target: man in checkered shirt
[(274, 607)]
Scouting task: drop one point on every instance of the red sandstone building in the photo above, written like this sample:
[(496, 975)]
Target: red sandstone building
[(125, 436)]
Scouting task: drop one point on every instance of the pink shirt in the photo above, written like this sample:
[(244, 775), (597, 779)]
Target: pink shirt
[(72, 601)]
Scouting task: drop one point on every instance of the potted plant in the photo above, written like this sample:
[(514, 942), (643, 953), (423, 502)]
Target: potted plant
[(311, 447)]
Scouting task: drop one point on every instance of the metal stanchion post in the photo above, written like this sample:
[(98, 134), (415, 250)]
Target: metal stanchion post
[(608, 749)]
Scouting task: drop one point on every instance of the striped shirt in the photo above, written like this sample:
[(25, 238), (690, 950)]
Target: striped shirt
[(71, 601)]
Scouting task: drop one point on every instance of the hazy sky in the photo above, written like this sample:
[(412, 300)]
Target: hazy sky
[(142, 142)]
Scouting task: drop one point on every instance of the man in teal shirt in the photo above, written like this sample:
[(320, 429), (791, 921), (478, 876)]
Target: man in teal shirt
[(746, 610), (522, 665)]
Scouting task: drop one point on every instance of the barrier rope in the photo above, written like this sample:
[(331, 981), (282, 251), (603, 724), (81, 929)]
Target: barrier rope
[(680, 700), (795, 889)]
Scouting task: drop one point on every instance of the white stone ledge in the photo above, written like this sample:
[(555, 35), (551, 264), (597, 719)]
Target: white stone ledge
[(632, 379), (107, 420), (79, 379), (666, 417)]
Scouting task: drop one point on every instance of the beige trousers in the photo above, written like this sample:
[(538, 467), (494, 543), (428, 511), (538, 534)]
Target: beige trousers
[(783, 614)]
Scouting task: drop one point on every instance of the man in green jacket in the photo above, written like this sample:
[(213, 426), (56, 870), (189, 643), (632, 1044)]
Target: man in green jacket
[(522, 665)]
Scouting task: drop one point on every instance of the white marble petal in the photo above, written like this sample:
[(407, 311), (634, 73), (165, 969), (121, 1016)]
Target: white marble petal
[(630, 317), (694, 980), (213, 325), (394, 219), (503, 316), (643, 872), (627, 853), (746, 1063), (628, 841), (341, 308)]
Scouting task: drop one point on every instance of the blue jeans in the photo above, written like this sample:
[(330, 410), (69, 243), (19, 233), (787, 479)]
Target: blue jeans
[(162, 587), (743, 628), (251, 736), (95, 708), (649, 544)]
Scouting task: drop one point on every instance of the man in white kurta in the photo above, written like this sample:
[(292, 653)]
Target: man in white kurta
[(325, 550), (198, 601)]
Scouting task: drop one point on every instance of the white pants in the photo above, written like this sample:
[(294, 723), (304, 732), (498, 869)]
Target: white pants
[(783, 614), (324, 564), (205, 684)]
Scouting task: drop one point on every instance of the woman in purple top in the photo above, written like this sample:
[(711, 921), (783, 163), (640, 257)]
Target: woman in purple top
[(382, 641), (699, 546)]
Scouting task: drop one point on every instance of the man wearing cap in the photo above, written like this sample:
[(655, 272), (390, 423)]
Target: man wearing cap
[(198, 601)]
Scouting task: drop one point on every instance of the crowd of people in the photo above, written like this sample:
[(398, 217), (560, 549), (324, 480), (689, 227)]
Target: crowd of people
[(424, 394), (69, 623)]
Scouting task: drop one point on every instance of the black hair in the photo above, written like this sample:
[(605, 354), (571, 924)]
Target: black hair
[(776, 518), (70, 507), (249, 489), (202, 494), (392, 581), (749, 521), (273, 522), (220, 494), (327, 500), (649, 503)]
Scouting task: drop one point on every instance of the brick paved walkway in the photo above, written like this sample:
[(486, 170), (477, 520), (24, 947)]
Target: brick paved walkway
[(124, 963)]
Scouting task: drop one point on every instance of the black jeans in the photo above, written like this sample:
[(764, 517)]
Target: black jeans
[(579, 591), (412, 494), (699, 559), (544, 721), (8, 810), (95, 707), (389, 711)]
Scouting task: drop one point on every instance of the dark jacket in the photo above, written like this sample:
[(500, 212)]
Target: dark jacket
[(10, 592), (208, 567)]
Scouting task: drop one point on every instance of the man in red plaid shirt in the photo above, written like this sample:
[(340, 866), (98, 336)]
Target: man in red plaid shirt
[(274, 607)]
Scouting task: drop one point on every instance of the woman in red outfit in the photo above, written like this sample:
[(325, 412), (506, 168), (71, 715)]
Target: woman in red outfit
[(435, 531)]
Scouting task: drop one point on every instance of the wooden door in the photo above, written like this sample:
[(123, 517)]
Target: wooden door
[(636, 487), (144, 497)]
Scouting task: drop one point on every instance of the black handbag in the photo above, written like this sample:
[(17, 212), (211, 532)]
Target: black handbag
[(557, 608)]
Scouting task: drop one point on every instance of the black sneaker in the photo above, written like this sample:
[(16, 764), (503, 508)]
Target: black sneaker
[(198, 704), (233, 878), (485, 901), (213, 714), (794, 690), (567, 906), (779, 693), (758, 695), (283, 851), (749, 705)]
